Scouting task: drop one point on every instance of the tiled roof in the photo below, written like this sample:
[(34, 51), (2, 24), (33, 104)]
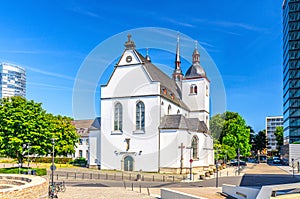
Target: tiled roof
[(84, 126)]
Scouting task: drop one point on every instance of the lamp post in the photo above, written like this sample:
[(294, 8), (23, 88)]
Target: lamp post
[(293, 166), (52, 170), (217, 168), (238, 161), (28, 147)]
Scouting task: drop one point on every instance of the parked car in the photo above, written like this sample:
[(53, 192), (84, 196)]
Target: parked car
[(276, 160), (235, 163)]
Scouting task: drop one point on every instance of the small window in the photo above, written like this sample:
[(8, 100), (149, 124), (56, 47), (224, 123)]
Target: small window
[(80, 153), (169, 109), (193, 89), (87, 141), (206, 90), (80, 141)]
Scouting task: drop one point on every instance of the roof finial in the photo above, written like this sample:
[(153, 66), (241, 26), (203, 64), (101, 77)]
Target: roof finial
[(129, 44), (196, 44)]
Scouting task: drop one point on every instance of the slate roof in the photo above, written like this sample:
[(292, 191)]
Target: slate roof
[(84, 126), (181, 122), (166, 82)]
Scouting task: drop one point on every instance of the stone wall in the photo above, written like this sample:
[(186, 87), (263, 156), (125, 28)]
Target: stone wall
[(23, 187)]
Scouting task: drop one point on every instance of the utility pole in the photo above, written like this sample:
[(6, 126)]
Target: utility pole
[(181, 147)]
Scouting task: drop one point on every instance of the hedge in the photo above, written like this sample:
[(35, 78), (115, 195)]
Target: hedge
[(57, 160)]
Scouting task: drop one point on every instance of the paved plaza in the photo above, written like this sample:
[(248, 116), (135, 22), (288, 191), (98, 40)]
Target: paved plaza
[(253, 175)]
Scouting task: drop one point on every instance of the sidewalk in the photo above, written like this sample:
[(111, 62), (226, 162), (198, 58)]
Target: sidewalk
[(289, 170)]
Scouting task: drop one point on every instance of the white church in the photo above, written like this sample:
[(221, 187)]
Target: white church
[(152, 122)]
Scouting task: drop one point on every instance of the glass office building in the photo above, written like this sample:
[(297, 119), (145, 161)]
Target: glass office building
[(12, 80), (291, 71)]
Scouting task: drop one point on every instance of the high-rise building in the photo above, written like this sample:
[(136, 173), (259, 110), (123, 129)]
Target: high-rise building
[(271, 124), (291, 79), (12, 80)]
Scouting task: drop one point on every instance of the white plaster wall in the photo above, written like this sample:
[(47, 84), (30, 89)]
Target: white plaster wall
[(84, 147), (128, 81), (197, 102), (113, 143), (174, 108), (94, 140)]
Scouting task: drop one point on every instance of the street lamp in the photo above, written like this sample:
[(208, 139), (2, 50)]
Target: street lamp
[(217, 167), (293, 166), (28, 147), (52, 171)]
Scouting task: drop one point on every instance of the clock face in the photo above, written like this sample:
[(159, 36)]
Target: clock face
[(128, 59)]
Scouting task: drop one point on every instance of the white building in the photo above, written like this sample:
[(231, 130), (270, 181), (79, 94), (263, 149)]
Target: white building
[(12, 80), (86, 128), (271, 124), (152, 122)]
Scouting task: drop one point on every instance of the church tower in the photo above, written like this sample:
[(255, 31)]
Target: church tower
[(195, 89), (177, 74)]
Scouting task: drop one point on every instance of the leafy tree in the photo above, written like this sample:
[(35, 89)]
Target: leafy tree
[(260, 141), (230, 129), (23, 121), (279, 136)]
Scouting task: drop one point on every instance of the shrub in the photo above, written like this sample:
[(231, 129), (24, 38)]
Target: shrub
[(15, 170), (82, 162)]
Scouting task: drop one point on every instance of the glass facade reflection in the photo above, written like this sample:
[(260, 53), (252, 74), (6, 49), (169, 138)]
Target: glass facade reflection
[(291, 70), (12, 80)]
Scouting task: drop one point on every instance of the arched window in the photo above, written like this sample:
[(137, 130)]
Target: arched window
[(193, 89), (169, 109), (140, 116), (195, 147), (118, 117)]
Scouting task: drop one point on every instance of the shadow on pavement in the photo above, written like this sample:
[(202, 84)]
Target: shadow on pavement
[(267, 179)]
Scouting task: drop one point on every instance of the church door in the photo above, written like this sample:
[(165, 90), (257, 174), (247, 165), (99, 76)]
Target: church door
[(128, 163)]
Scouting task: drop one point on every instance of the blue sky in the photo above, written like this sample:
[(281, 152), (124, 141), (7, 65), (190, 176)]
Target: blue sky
[(51, 39)]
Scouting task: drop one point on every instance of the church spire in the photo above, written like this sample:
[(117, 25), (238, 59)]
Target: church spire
[(177, 74), (147, 55), (196, 54)]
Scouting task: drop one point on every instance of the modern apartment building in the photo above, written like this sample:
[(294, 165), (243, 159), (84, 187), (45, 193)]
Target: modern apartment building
[(12, 80), (291, 79), (271, 124)]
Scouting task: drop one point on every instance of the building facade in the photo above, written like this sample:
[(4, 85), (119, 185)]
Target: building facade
[(271, 124), (152, 122), (12, 80), (85, 148), (291, 75)]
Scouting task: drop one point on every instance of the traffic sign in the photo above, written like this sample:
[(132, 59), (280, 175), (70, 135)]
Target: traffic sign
[(53, 167)]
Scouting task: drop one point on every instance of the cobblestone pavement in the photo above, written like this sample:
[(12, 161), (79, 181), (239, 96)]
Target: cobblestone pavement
[(101, 193)]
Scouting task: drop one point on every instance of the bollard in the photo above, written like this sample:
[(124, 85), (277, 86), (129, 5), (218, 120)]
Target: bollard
[(140, 188), (153, 178), (91, 176), (75, 176), (115, 177), (220, 173), (98, 175), (173, 179), (106, 176), (143, 179), (227, 173), (148, 191), (56, 176), (163, 178), (124, 184), (130, 176), (131, 186), (82, 176), (67, 175), (122, 176)]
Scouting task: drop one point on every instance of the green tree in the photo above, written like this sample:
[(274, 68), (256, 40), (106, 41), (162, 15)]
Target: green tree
[(230, 129), (279, 136), (23, 121), (260, 141)]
